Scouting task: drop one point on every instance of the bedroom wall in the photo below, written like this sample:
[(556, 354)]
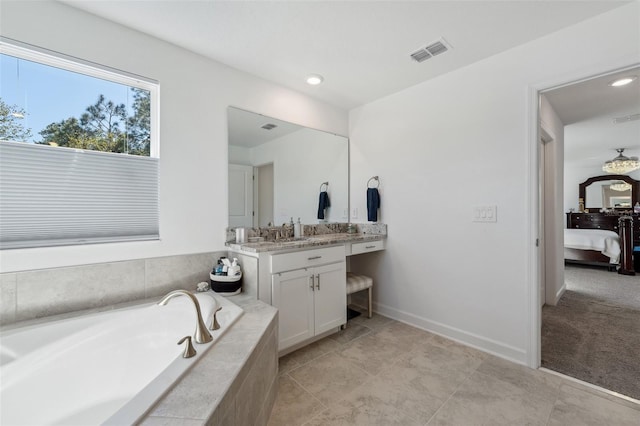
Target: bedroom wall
[(469, 130), (195, 94)]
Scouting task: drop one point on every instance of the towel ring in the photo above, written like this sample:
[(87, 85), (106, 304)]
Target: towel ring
[(377, 182), (324, 184)]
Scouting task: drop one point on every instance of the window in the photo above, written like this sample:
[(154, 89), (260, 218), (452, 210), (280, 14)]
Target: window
[(78, 151)]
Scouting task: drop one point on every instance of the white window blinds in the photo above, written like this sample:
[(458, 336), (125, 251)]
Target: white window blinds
[(52, 196)]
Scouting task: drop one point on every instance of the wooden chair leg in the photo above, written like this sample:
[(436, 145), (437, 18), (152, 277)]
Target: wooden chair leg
[(369, 311)]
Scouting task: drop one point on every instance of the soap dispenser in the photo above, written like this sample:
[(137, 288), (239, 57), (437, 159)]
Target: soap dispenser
[(297, 229)]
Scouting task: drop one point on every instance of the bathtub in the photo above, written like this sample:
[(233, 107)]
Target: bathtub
[(103, 368)]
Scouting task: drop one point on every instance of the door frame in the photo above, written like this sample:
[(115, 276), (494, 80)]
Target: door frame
[(534, 188)]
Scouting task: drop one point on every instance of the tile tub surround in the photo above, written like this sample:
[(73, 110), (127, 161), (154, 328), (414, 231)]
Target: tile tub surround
[(41, 293), (233, 384), (379, 371)]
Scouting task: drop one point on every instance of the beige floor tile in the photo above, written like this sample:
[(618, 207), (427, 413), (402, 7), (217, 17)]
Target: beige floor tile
[(533, 381), (351, 332), (398, 391), (433, 371), (485, 400), (578, 407), (314, 350), (364, 410), (404, 335), (293, 405), (374, 352), (382, 347), (375, 322), (329, 377), (287, 363)]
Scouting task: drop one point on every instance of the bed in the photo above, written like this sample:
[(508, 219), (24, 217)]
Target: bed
[(597, 246)]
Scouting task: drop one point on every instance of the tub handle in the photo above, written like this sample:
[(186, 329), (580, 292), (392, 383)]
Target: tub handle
[(215, 325), (189, 350)]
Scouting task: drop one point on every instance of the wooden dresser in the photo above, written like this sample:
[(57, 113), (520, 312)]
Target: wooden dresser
[(602, 221)]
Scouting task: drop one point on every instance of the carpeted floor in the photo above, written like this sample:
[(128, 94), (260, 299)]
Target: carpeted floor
[(594, 332)]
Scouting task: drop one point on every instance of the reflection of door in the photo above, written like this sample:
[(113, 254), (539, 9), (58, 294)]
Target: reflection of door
[(240, 195), (264, 195)]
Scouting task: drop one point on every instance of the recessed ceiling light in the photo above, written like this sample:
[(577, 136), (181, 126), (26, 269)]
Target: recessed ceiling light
[(622, 81), (314, 79)]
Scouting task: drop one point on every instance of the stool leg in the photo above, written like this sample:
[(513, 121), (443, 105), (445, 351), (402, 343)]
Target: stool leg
[(369, 302)]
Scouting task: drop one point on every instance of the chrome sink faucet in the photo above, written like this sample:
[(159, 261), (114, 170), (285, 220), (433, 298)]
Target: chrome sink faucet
[(202, 335)]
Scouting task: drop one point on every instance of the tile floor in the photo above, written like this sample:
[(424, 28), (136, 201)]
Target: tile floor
[(381, 372)]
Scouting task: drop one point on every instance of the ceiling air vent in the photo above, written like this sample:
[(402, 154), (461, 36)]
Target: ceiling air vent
[(430, 51), (269, 126), (627, 118)]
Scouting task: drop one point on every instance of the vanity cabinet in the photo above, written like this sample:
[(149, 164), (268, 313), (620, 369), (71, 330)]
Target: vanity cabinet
[(309, 289)]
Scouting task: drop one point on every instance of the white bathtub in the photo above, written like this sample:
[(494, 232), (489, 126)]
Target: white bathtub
[(108, 367)]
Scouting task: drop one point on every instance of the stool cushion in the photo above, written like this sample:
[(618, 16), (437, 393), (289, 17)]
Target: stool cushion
[(356, 283)]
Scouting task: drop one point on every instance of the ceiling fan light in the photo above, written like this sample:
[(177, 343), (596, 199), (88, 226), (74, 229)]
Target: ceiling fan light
[(621, 164)]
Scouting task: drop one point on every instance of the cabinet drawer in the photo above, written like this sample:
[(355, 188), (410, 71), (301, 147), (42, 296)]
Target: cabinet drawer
[(306, 258), (357, 248)]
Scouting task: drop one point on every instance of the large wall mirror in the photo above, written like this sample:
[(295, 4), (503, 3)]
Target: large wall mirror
[(278, 169), (610, 191)]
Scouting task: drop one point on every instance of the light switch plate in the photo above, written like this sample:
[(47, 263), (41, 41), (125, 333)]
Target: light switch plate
[(485, 213)]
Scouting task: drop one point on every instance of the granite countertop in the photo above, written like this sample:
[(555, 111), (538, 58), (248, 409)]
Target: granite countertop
[(304, 242)]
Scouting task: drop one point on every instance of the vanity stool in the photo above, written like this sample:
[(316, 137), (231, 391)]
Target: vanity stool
[(357, 283)]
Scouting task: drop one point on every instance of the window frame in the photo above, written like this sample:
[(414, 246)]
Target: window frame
[(69, 63)]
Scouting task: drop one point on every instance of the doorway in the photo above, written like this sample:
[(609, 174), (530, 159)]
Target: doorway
[(589, 317)]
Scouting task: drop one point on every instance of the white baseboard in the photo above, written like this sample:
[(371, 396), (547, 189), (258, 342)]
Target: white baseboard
[(559, 293), (484, 344)]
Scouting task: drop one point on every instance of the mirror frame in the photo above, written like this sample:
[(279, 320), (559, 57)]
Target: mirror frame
[(635, 189)]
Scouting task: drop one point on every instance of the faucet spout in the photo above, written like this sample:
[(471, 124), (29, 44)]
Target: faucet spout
[(202, 335)]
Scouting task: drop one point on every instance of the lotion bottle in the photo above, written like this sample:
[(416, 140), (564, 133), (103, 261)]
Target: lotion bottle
[(297, 229)]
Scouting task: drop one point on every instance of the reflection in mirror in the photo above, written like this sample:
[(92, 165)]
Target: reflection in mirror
[(606, 194), (610, 192), (276, 170)]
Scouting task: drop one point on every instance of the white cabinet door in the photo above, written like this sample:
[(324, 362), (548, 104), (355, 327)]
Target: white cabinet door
[(330, 296), (293, 296)]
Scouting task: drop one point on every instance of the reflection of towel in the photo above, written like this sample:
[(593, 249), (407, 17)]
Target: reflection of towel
[(323, 203), (373, 204)]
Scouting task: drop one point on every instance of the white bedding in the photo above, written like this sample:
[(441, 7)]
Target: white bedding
[(606, 242)]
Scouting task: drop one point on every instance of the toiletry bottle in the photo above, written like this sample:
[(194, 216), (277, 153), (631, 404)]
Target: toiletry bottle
[(297, 229), (234, 269)]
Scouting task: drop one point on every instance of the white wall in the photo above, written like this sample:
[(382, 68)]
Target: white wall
[(195, 93), (470, 129)]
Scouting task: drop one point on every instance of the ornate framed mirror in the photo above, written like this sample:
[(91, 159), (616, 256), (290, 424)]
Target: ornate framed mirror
[(609, 191)]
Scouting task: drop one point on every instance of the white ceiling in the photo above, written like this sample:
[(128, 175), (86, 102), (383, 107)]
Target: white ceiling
[(361, 48), (588, 109)]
